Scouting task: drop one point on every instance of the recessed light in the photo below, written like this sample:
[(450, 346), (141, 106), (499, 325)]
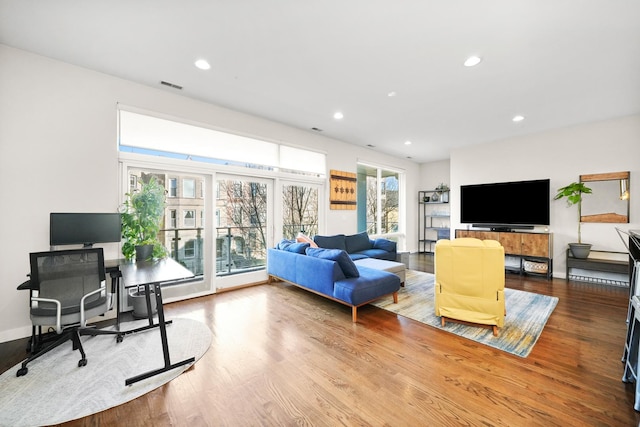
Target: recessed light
[(472, 61), (392, 94), (338, 115), (518, 118), (407, 143), (202, 64)]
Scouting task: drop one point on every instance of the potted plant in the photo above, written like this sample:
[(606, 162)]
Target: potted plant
[(573, 193), (142, 214)]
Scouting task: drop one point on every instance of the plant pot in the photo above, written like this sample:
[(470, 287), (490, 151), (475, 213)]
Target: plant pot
[(580, 250), (139, 303), (144, 252)]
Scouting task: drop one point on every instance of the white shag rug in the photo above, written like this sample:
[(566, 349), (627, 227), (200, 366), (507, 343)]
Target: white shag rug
[(56, 390)]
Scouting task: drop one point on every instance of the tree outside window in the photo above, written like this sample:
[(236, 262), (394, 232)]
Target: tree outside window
[(299, 210)]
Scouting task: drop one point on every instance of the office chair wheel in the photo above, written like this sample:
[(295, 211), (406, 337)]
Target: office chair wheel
[(119, 338), (22, 372), (82, 362)]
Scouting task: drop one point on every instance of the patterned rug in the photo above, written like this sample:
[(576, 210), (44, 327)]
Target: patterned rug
[(527, 313), (56, 390)]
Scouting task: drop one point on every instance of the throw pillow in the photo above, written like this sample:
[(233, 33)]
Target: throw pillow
[(284, 243), (292, 246), (385, 244), (303, 238), (298, 248), (341, 257), (331, 242), (358, 242)]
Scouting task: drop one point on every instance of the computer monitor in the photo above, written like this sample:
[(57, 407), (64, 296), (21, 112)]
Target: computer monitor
[(84, 228)]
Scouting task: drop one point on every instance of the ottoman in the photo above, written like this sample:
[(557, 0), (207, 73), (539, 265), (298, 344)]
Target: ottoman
[(396, 268)]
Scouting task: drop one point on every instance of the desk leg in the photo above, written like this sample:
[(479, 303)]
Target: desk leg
[(148, 301), (163, 336)]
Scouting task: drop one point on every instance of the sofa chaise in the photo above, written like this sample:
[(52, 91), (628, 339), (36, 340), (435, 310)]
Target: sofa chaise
[(330, 273)]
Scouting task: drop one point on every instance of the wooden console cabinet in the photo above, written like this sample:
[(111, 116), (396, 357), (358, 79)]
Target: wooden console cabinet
[(532, 249)]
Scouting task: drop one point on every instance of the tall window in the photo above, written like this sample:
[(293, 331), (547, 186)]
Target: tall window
[(180, 227), (188, 188), (378, 192), (173, 187), (299, 210), (173, 223), (240, 210), (241, 237), (189, 218)]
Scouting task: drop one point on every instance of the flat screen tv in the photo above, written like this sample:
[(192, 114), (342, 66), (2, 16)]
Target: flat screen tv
[(506, 205), (84, 228)]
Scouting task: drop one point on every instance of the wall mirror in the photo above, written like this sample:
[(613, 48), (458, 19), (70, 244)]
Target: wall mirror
[(609, 201)]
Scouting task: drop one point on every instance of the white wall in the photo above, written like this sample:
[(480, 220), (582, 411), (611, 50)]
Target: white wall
[(433, 174), (562, 156), (58, 152)]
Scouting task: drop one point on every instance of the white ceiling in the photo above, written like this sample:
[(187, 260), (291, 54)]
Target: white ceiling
[(556, 62)]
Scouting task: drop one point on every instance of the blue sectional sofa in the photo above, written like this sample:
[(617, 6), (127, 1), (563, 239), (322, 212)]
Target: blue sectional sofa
[(330, 273), (359, 246)]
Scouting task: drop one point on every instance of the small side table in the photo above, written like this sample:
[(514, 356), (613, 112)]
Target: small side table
[(603, 261)]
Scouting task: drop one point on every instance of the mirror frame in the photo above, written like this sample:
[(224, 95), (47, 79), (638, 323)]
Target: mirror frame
[(606, 217)]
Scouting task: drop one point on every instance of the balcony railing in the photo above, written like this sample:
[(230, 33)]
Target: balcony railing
[(238, 249)]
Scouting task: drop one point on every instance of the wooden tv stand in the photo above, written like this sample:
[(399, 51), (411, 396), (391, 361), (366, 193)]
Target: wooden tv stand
[(533, 249)]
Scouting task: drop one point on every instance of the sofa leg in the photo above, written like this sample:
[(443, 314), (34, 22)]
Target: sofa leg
[(395, 297), (354, 314)]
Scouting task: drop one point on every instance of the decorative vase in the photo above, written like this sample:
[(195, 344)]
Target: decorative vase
[(139, 303), (580, 250), (144, 252)]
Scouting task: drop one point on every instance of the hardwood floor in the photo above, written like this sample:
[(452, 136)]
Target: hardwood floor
[(283, 356)]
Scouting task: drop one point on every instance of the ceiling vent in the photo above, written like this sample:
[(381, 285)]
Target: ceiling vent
[(316, 129), (371, 146), (174, 86)]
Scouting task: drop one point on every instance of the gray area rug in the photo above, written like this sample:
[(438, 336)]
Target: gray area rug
[(56, 390), (527, 314)]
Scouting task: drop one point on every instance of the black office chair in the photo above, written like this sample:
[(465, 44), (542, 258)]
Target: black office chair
[(66, 289)]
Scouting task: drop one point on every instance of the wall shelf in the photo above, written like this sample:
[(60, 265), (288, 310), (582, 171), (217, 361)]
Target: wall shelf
[(433, 218)]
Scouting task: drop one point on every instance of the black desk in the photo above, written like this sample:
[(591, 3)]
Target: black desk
[(149, 274)]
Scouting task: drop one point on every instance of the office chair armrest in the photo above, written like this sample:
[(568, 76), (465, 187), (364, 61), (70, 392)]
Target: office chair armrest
[(83, 321), (58, 311)]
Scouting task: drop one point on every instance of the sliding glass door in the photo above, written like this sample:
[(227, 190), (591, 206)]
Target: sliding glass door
[(241, 224)]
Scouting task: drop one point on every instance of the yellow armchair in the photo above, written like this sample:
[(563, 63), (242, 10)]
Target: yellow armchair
[(469, 283)]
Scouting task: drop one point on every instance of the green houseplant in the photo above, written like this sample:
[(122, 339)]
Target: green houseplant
[(573, 194), (142, 214)]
